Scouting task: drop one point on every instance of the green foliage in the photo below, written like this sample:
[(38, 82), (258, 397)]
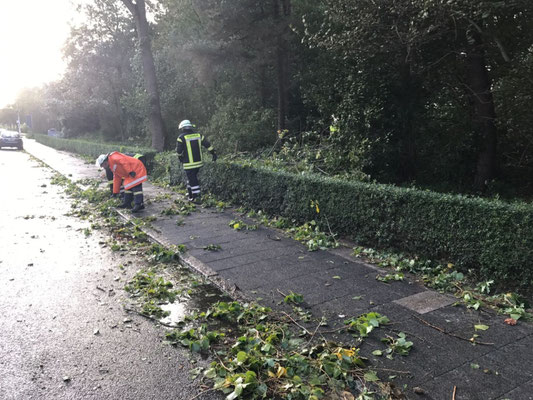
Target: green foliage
[(294, 298), (310, 234), (198, 340), (365, 323), (151, 286), (213, 247), (490, 236), (239, 225), (399, 345), (264, 357), (390, 277), (235, 127), (445, 278), (161, 254), (94, 149)]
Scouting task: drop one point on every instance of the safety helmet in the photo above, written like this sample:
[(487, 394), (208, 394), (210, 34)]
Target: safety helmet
[(100, 160), (185, 124)]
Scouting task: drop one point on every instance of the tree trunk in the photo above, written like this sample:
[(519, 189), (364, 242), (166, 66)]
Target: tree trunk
[(479, 85), (283, 90), (282, 10), (138, 10), (407, 97)]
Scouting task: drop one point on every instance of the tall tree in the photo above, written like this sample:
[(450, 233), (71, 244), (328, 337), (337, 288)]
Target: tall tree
[(282, 12), (138, 11)]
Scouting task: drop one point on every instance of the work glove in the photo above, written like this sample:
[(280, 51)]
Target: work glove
[(132, 174), (214, 155)]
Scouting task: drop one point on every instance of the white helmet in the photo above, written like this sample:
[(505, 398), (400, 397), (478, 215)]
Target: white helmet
[(100, 160), (185, 124)]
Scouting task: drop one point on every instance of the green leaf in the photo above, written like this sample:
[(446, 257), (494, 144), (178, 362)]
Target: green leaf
[(242, 357), (474, 366), (337, 277), (371, 376), (481, 327), (377, 353), (211, 373)]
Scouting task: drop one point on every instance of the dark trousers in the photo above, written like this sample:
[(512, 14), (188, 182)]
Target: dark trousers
[(193, 185), (109, 175), (134, 194)]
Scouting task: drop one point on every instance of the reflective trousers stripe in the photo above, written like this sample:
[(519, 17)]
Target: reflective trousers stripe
[(193, 165)]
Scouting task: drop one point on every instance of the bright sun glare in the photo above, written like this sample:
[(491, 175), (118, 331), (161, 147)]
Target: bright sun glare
[(32, 34)]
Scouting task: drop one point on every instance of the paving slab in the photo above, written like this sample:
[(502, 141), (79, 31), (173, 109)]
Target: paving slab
[(522, 392), (470, 384), (426, 301)]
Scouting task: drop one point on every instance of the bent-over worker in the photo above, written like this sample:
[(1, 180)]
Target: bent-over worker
[(127, 171)]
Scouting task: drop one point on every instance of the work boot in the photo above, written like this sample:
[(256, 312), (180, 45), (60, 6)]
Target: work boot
[(137, 208), (125, 205)]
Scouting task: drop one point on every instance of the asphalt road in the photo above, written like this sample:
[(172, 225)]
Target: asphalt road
[(64, 333)]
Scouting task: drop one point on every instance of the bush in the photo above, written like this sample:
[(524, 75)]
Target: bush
[(234, 128), (492, 236), (94, 149)]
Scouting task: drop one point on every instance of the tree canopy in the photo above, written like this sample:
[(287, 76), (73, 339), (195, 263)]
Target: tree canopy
[(428, 92)]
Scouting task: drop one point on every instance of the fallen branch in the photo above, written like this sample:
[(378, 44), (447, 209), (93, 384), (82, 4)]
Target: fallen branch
[(151, 318), (451, 334), (296, 323)]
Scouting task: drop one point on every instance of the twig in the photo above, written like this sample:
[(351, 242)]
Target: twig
[(451, 334), (296, 323), (221, 363), (392, 370), (201, 393), (273, 147), (314, 333), (330, 231), (333, 330), (151, 318), (454, 391), (321, 170)]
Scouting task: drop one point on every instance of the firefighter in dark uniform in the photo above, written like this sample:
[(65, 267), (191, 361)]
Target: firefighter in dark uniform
[(189, 149)]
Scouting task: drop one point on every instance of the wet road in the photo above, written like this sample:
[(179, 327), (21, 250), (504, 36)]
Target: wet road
[(64, 333)]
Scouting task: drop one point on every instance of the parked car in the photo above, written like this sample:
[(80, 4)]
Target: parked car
[(10, 139)]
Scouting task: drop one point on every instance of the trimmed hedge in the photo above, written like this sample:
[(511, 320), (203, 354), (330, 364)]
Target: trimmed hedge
[(94, 149), (494, 237)]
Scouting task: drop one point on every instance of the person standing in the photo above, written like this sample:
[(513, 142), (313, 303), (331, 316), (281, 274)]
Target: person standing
[(189, 149), (127, 171)]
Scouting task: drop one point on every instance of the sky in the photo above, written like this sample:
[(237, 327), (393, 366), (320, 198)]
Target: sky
[(32, 34)]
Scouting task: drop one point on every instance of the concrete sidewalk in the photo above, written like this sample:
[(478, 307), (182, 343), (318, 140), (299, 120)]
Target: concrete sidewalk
[(263, 264)]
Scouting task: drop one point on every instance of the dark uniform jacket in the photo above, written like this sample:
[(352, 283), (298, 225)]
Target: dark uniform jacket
[(189, 149)]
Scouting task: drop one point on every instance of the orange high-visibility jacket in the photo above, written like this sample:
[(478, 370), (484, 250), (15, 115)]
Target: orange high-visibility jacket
[(122, 165)]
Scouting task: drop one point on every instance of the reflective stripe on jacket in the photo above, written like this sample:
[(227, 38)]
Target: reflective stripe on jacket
[(121, 165), (189, 149)]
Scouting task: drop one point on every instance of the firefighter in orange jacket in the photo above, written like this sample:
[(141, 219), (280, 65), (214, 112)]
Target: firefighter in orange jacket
[(127, 171)]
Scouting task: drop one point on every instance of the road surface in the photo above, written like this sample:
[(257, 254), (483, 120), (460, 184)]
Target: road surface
[(64, 333)]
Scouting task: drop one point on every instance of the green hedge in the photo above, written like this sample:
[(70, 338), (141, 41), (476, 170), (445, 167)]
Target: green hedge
[(94, 149), (494, 237)]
